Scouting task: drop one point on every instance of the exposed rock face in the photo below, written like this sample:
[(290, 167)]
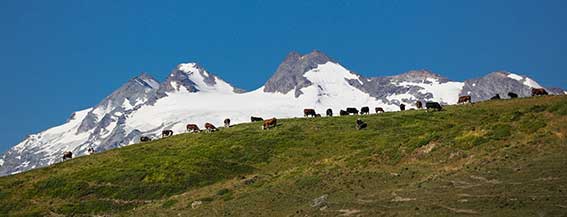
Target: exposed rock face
[(135, 92), (289, 75)]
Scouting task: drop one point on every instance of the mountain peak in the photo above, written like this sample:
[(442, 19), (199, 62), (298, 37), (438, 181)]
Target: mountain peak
[(289, 75), (192, 77)]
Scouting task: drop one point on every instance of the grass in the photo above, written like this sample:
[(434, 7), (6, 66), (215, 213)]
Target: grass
[(496, 158)]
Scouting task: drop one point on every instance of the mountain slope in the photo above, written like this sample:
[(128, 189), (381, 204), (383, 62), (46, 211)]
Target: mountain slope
[(191, 94), (495, 158)]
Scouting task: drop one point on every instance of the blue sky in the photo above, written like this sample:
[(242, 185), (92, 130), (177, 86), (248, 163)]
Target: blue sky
[(57, 57)]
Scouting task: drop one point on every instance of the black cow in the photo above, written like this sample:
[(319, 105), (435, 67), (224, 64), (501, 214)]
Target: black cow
[(512, 95), (433, 105), (254, 119), (330, 112), (227, 122), (364, 110), (352, 111), (402, 107), (379, 110), (166, 133), (343, 113), (91, 150), (495, 97), (145, 139), (360, 124)]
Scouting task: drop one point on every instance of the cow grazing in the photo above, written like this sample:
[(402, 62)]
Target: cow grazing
[(254, 119), (309, 112), (379, 110), (67, 155), (317, 115), (193, 128), (402, 107), (360, 124), (329, 112), (512, 95), (352, 111), (270, 123), (145, 139), (418, 105), (433, 105), (495, 97), (343, 113), (210, 127), (464, 99), (364, 110), (166, 133), (539, 92), (227, 122)]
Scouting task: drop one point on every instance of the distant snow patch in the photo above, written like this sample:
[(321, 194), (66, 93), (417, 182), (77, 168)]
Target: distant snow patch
[(515, 77)]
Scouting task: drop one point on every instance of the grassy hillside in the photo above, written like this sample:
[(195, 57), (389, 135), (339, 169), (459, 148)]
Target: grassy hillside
[(497, 158)]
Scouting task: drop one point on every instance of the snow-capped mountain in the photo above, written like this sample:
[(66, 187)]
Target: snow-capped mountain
[(191, 94)]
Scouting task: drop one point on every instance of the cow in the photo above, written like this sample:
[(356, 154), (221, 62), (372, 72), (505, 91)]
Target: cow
[(343, 113), (512, 95), (193, 128), (379, 110), (227, 122), (145, 139), (539, 92), (364, 110), (317, 115), (269, 123), (464, 99), (67, 155), (402, 107), (166, 133), (418, 105), (360, 124), (210, 127), (329, 112), (497, 96), (352, 111), (254, 119), (90, 150), (309, 112), (433, 105)]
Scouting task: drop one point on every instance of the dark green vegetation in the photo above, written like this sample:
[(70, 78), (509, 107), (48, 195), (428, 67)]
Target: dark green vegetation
[(497, 158)]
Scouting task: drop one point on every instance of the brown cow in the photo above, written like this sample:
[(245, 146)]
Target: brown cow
[(539, 92), (67, 155), (418, 105), (227, 122), (309, 112), (193, 128), (166, 133), (269, 123), (464, 99), (379, 110), (210, 127)]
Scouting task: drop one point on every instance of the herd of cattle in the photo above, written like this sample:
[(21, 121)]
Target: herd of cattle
[(308, 112)]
